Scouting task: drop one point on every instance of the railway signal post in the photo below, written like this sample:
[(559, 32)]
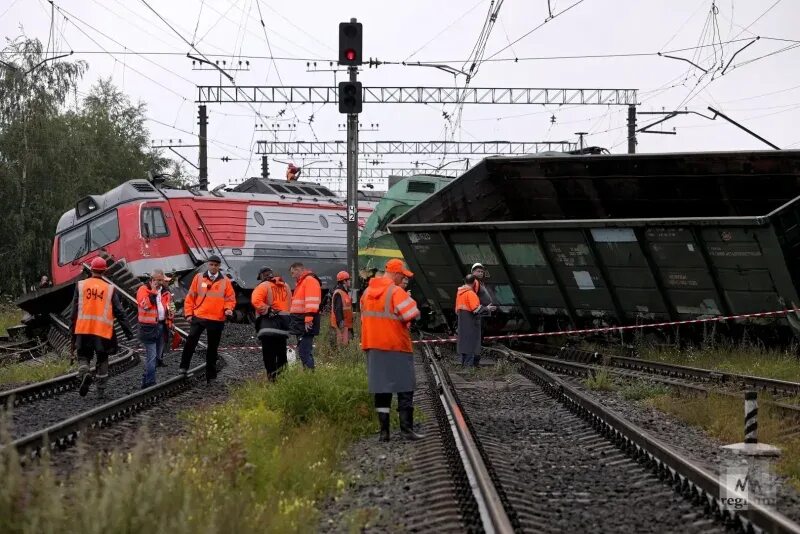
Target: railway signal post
[(350, 98)]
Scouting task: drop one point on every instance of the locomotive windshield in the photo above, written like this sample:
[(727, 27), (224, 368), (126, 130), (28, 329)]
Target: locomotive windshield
[(88, 237)]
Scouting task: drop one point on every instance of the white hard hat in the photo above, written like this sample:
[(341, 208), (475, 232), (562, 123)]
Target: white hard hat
[(476, 265)]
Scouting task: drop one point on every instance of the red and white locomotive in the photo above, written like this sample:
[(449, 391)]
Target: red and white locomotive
[(259, 222)]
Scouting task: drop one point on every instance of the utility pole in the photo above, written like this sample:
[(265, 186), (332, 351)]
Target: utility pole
[(265, 166), (632, 129), (350, 100), (352, 190), (203, 142)]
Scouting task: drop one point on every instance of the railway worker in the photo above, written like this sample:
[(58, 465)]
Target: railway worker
[(386, 312), (292, 173), (154, 320), (342, 310), (170, 321), (469, 311), (94, 308), (485, 296), (270, 299), (210, 301), (304, 310)]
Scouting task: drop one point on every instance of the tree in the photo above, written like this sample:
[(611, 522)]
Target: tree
[(51, 156)]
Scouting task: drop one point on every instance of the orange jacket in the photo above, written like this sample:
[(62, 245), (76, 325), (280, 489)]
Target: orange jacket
[(307, 297), (148, 312), (386, 311), (347, 309), (271, 294), (467, 299), (95, 310), (209, 300)]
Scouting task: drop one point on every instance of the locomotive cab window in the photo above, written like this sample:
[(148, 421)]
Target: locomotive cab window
[(104, 230), (153, 223), (72, 245)]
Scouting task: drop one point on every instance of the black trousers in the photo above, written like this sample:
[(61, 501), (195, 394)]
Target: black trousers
[(85, 355), (214, 333), (273, 350), (405, 401)]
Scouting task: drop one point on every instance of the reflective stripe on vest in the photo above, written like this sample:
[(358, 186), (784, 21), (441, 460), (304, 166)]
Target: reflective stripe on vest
[(387, 307), (95, 311)]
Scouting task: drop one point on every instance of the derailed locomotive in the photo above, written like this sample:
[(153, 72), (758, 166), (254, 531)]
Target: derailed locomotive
[(603, 240), (258, 222)]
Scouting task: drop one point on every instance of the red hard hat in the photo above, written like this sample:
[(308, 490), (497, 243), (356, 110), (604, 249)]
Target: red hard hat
[(98, 264), (342, 275)]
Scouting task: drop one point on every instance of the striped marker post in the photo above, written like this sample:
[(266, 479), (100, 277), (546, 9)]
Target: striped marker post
[(751, 417)]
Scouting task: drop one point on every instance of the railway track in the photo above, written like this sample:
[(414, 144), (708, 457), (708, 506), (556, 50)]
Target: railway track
[(690, 379), (20, 351), (547, 457), (694, 374)]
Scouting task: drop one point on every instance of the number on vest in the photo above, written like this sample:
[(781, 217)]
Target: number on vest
[(93, 293)]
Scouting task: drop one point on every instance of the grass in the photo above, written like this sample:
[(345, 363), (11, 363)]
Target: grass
[(261, 462), (782, 365), (601, 380), (640, 390), (721, 417), (9, 316), (27, 372)]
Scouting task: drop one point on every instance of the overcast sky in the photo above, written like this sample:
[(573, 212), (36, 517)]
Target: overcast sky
[(763, 93)]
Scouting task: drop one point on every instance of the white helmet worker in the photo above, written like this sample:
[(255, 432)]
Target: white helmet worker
[(477, 266)]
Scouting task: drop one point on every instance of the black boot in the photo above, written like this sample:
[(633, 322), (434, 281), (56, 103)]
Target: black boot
[(407, 425), (383, 418)]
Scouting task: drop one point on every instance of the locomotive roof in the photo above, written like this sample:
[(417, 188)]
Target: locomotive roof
[(142, 190)]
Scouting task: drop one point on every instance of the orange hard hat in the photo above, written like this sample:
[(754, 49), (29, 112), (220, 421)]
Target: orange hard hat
[(342, 275), (98, 264)]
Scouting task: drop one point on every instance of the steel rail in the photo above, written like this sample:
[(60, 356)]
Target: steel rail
[(692, 480), (654, 367), (588, 369), (490, 506), (61, 384), (66, 432)]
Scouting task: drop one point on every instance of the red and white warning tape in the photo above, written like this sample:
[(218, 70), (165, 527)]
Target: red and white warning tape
[(608, 329), (599, 330)]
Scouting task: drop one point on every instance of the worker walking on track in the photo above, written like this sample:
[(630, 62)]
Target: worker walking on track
[(304, 310), (342, 310), (469, 311), (210, 301), (270, 299), (154, 320), (386, 312), (94, 308)]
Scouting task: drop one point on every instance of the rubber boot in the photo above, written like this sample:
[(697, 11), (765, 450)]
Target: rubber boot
[(407, 425), (383, 418), (86, 381)]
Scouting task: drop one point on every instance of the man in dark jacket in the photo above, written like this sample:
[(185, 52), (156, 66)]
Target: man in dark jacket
[(469, 311), (95, 306), (484, 294)]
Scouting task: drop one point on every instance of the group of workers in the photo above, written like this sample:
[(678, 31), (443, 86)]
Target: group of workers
[(387, 311)]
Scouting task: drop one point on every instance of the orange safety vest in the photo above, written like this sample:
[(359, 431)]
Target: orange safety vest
[(347, 308), (209, 300), (307, 295), (95, 311), (271, 294), (467, 299), (384, 320), (148, 313)]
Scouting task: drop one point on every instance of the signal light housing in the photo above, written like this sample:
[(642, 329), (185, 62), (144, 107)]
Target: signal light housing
[(350, 97), (350, 40)]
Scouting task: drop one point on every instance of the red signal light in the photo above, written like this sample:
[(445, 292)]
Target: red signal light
[(350, 54)]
